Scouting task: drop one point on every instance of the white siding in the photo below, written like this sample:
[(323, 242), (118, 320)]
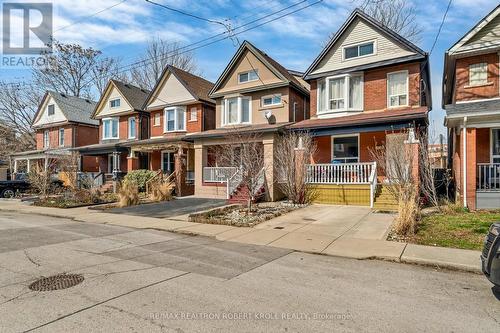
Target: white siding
[(44, 118), (360, 31), (106, 110), (172, 91), (487, 36)]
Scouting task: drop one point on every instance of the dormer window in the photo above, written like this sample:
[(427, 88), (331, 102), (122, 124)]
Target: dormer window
[(249, 76), (114, 103), (51, 110), (359, 50)]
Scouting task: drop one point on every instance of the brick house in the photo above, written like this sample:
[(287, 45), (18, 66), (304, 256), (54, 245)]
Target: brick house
[(471, 98), (61, 124), (367, 84), (254, 94)]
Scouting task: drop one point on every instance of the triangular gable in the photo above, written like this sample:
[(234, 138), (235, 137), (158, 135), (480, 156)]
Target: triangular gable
[(42, 118), (359, 28), (483, 35), (169, 90), (103, 108), (245, 59)]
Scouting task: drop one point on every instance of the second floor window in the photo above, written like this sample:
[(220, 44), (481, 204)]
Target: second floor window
[(157, 119), (478, 74), (61, 137), (46, 139), (271, 100), (51, 110), (114, 103), (193, 114), (397, 89), (131, 128), (175, 119), (110, 128), (236, 110), (341, 93), (359, 50), (252, 75)]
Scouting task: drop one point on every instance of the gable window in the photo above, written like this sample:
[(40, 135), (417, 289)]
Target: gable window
[(360, 50), (340, 93), (46, 141), (397, 89), (157, 119), (478, 74), (51, 110), (110, 128), (61, 137), (193, 114), (271, 100), (252, 75), (175, 119), (345, 149), (236, 110), (131, 128), (114, 103)]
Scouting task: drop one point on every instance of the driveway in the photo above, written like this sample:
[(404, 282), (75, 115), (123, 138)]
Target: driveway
[(170, 209)]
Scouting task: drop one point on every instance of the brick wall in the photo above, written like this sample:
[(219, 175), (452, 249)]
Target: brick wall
[(205, 117), (86, 135), (313, 106), (302, 106), (463, 91)]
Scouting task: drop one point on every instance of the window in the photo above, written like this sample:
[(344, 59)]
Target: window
[(175, 119), (167, 162), (252, 75), (397, 89), (51, 110), (236, 110), (114, 103), (46, 141), (131, 128), (345, 149), (271, 100), (157, 119), (193, 114), (110, 128), (478, 74), (495, 145), (344, 93), (360, 50), (61, 137)]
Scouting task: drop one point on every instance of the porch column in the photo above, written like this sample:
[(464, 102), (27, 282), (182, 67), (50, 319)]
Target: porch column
[(180, 172), (198, 167), (470, 165), (15, 166), (272, 190), (413, 148), (46, 164), (300, 171), (132, 161)]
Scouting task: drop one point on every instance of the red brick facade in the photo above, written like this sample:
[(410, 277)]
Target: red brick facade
[(74, 136), (463, 90)]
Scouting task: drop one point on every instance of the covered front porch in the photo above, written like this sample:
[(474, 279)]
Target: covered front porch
[(111, 162), (27, 161)]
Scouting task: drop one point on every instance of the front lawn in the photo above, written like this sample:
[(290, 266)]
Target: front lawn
[(463, 230)]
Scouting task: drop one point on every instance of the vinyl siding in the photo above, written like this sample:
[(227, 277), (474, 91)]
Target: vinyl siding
[(171, 92), (486, 36), (105, 110), (44, 118)]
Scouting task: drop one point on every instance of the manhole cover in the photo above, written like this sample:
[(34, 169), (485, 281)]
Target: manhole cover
[(56, 282)]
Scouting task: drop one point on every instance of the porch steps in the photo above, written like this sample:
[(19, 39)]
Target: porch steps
[(241, 194), (384, 200), (106, 187)]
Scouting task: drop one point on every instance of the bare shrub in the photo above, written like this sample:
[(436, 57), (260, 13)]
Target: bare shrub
[(161, 191), (40, 179), (128, 194), (69, 170), (292, 154)]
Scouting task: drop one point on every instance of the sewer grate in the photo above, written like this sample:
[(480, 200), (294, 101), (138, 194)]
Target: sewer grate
[(56, 282)]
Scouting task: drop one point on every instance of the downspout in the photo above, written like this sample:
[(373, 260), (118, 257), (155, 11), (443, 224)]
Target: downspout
[(465, 161)]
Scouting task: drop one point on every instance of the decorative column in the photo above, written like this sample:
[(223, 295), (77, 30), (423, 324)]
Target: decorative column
[(132, 161), (413, 147), (28, 165)]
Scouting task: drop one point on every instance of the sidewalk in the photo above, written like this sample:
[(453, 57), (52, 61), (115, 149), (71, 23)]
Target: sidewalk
[(363, 240)]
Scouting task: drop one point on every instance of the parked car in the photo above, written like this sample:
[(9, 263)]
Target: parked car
[(9, 188), (490, 257)]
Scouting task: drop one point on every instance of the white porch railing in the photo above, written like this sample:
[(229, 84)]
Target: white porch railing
[(488, 177), (233, 182), (345, 173), (218, 174)]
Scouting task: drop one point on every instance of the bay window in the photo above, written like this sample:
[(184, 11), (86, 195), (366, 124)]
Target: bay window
[(236, 110), (110, 128), (340, 93), (175, 119), (397, 89)]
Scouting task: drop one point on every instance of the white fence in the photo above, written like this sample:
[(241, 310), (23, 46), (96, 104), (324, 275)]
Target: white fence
[(218, 174)]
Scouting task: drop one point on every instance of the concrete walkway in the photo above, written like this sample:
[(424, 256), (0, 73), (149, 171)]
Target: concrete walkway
[(343, 231)]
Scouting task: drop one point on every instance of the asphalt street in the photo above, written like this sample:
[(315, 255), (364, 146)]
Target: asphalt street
[(154, 281)]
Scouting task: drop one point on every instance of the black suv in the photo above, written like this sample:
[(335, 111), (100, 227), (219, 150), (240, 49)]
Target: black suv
[(490, 257)]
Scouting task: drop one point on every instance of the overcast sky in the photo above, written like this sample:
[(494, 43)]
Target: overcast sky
[(294, 40)]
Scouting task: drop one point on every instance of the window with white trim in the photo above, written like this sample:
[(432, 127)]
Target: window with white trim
[(193, 114), (495, 145), (175, 119), (114, 103), (359, 50), (46, 140), (61, 137), (51, 109), (340, 93), (248, 76), (397, 89), (110, 128), (131, 128), (157, 119), (478, 74), (345, 149), (236, 110), (271, 100)]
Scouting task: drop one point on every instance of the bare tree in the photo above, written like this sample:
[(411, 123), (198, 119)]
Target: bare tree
[(40, 178), (293, 152), (245, 152), (106, 69), (157, 56), (73, 70)]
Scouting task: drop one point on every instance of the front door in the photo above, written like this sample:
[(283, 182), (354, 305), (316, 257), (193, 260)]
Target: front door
[(167, 162), (111, 165)]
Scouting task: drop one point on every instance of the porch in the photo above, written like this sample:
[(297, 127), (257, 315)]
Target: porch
[(24, 162), (488, 186)]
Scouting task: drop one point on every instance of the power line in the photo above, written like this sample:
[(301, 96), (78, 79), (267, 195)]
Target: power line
[(440, 26)]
